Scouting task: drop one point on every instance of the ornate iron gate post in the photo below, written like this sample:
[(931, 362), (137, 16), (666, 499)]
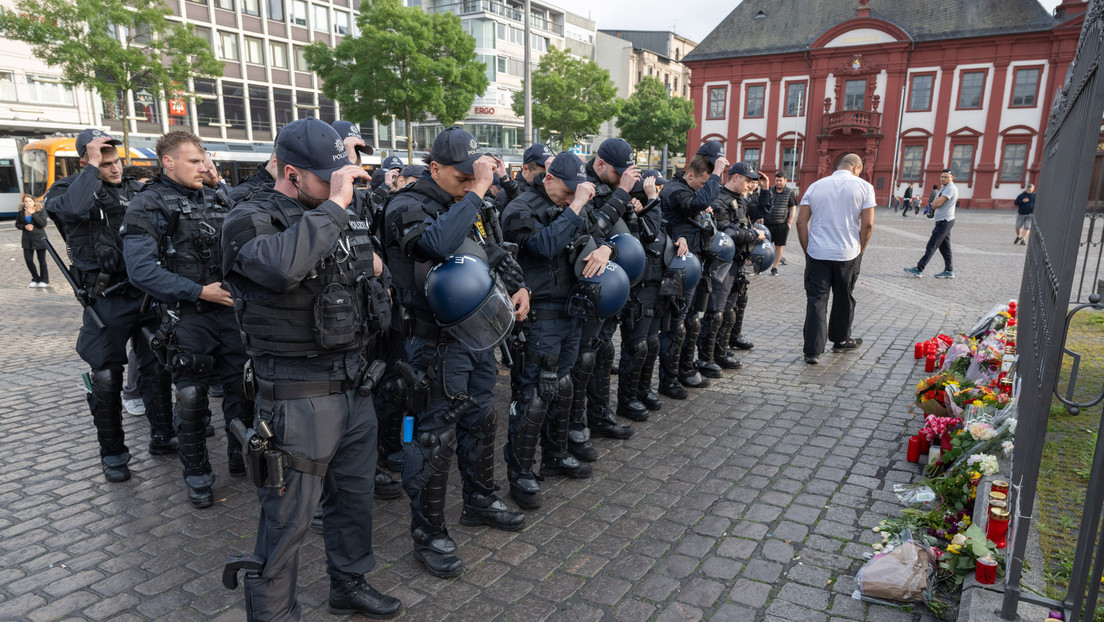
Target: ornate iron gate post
[(1071, 138)]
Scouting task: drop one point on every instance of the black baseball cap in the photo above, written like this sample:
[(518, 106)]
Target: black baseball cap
[(87, 136), (377, 178), (617, 153), (537, 152), (391, 162), (712, 149), (660, 179), (740, 168), (347, 129), (312, 145), (457, 148), (412, 170), (568, 168)]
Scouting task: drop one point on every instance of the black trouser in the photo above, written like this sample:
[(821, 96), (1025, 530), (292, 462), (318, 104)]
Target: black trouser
[(940, 239), (821, 279), (43, 272), (104, 349), (340, 431), (211, 352)]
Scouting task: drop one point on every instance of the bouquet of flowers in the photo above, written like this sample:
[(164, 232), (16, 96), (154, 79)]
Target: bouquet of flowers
[(935, 393)]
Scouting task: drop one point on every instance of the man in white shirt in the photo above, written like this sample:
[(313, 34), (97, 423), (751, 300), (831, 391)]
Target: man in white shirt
[(834, 223), (944, 206)]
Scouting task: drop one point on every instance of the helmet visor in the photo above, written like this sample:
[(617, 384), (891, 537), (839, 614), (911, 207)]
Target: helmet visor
[(488, 324), (718, 270)]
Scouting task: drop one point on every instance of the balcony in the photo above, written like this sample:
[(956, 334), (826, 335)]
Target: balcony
[(852, 122), (465, 8)]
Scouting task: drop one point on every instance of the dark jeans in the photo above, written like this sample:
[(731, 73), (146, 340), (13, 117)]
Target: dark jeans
[(941, 239), (821, 279), (43, 272)]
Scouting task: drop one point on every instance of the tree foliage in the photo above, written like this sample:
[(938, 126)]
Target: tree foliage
[(651, 117), (112, 44), (405, 64), (571, 98)]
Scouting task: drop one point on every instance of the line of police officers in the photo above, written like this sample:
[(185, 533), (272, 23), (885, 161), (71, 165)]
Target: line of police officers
[(364, 325)]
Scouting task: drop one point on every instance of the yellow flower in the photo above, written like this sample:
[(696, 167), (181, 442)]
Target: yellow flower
[(966, 521), (954, 548)]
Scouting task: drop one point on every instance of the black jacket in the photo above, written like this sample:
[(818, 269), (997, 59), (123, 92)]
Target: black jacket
[(35, 238)]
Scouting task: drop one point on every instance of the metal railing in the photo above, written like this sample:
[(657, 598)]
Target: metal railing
[(1049, 274), (852, 120)]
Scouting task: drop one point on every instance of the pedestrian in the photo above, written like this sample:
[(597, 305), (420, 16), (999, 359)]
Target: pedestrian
[(929, 210), (425, 224), (834, 226), (782, 204), (32, 220), (943, 211), (298, 263), (1025, 207), (544, 222), (89, 208), (906, 201)]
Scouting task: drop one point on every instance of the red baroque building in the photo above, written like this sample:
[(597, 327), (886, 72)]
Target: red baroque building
[(912, 87)]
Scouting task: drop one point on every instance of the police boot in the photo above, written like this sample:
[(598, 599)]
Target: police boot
[(722, 355), (599, 418), (106, 403), (710, 327), (199, 489), (520, 451), (629, 405), (349, 596), (385, 487), (556, 459), (644, 387), (688, 374), (480, 509), (437, 552), (669, 367), (576, 432), (155, 385), (191, 405), (737, 339)]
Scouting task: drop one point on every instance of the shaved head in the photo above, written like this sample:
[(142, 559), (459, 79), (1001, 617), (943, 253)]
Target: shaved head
[(849, 161)]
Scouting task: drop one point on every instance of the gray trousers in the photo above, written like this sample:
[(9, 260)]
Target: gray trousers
[(339, 430)]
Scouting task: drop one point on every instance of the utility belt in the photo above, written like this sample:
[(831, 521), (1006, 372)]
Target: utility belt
[(541, 315), (105, 284), (365, 381), (199, 306)]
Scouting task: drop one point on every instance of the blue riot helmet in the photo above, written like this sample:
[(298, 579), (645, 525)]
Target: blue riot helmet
[(601, 296), (722, 248), (761, 257), (468, 302), (630, 255), (689, 267), (765, 231)]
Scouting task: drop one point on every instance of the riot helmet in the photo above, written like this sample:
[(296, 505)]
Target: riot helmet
[(764, 229), (722, 248), (468, 302), (600, 296), (761, 257), (630, 255), (689, 268)]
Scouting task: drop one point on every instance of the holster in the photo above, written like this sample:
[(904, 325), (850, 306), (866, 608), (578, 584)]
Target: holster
[(253, 450)]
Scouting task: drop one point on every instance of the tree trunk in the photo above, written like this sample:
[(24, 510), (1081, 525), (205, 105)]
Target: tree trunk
[(409, 141), (126, 126)]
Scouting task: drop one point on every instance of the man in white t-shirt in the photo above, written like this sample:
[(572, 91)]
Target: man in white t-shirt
[(834, 223), (944, 206)]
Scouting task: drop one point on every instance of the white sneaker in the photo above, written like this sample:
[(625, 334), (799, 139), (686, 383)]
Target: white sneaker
[(32, 284), (43, 284), (135, 407)]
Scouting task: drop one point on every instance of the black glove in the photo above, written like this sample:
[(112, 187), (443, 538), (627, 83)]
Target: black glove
[(507, 268), (548, 386)]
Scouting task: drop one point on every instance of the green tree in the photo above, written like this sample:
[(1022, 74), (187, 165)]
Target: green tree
[(112, 45), (652, 118), (571, 98), (406, 64)]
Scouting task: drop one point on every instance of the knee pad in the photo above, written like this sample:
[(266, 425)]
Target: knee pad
[(567, 388), (586, 362), (653, 342), (191, 398), (693, 324), (604, 355), (640, 347), (680, 333), (438, 450), (107, 380), (488, 425)]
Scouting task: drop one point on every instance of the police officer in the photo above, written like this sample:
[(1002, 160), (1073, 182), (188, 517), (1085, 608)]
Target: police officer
[(171, 248), (88, 209), (686, 204), (545, 233), (729, 297), (534, 163), (640, 322), (309, 301), (263, 179), (426, 223)]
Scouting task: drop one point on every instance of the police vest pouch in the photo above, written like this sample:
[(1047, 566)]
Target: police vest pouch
[(336, 318), (196, 363), (379, 305)]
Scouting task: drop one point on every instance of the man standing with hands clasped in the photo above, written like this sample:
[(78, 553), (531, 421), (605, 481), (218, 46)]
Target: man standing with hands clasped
[(834, 224)]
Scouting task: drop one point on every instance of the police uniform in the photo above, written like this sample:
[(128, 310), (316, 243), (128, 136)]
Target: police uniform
[(171, 246), (733, 217), (89, 212), (256, 182), (308, 307), (546, 235), (424, 226), (684, 217)]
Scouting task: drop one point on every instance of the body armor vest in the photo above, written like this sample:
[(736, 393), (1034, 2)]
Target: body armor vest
[(549, 280), (95, 244), (339, 307), (779, 207), (191, 246)]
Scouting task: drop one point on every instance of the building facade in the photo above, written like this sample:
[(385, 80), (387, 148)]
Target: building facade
[(499, 30), (913, 88)]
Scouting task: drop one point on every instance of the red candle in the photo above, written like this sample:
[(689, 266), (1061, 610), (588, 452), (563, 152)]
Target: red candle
[(925, 444), (942, 357), (913, 449), (997, 529), (986, 570), (919, 350), (930, 365), (929, 347)]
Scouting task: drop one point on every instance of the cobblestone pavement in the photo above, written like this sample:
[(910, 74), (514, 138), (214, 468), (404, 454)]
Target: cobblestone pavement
[(750, 501)]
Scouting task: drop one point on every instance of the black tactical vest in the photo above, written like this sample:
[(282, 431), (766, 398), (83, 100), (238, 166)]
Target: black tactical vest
[(95, 244), (339, 307), (191, 245), (550, 281)]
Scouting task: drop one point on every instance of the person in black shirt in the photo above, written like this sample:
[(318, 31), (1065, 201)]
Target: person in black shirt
[(1025, 208)]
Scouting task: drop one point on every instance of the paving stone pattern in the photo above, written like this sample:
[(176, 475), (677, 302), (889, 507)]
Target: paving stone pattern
[(750, 501)]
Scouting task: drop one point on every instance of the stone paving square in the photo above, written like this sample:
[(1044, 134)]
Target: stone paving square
[(751, 500)]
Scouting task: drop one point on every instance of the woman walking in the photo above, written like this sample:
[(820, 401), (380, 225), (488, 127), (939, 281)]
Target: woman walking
[(32, 220)]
